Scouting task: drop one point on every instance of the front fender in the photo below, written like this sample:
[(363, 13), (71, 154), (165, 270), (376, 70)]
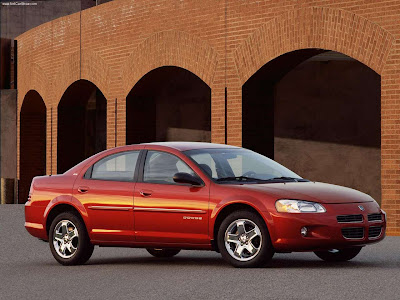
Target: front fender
[(248, 200), (242, 199)]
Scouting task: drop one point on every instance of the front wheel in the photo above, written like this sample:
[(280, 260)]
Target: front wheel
[(163, 252), (69, 241), (244, 241), (337, 255)]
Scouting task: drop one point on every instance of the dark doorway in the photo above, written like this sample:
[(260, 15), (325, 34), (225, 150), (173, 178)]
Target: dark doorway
[(82, 124), (318, 113), (32, 142), (168, 104)]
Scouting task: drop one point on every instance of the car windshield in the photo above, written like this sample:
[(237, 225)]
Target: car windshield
[(240, 165)]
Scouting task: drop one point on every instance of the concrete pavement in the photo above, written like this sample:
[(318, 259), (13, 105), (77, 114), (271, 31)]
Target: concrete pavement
[(28, 271)]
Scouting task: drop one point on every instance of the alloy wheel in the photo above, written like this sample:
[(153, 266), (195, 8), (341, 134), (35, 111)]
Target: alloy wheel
[(65, 239), (243, 239)]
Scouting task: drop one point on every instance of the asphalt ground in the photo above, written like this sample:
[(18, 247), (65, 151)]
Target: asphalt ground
[(28, 271)]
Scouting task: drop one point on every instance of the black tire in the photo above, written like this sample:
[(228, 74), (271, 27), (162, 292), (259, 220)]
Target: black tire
[(163, 252), (266, 250), (84, 248), (339, 254)]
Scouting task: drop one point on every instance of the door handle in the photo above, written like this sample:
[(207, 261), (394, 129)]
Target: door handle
[(83, 189), (145, 193)]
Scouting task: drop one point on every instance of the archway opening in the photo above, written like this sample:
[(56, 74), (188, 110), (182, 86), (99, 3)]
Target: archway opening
[(32, 142), (82, 122), (168, 104), (318, 113)]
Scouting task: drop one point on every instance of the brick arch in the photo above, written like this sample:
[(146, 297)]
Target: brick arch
[(37, 80), (96, 70), (34, 79), (170, 48), (314, 27), (66, 75), (26, 93), (87, 65)]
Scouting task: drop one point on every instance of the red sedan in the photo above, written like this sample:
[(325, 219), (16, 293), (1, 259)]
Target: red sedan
[(175, 195)]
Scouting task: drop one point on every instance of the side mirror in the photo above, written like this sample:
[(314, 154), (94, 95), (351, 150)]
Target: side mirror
[(182, 177)]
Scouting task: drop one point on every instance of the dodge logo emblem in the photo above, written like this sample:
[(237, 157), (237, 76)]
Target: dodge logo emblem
[(361, 207)]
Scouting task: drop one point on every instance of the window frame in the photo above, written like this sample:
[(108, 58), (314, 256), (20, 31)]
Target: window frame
[(140, 177), (89, 172)]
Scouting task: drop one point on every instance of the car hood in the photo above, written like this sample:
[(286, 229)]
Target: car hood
[(311, 191)]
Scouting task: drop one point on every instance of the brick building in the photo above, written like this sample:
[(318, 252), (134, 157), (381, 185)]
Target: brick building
[(313, 84), (17, 17)]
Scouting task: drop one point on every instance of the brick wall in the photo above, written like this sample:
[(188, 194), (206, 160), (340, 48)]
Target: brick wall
[(223, 42)]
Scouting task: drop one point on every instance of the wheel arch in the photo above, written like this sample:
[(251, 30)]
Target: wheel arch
[(224, 211), (59, 208)]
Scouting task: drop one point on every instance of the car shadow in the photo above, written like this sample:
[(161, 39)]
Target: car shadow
[(275, 263), (171, 261), (318, 264)]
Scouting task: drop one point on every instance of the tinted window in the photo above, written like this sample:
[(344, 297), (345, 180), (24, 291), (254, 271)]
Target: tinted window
[(116, 167), (160, 167)]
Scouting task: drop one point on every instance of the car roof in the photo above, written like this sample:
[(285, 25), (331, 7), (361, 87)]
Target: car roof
[(183, 146), (180, 146)]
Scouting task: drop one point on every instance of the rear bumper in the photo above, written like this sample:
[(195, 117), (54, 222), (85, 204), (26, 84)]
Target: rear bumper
[(323, 229), (34, 220)]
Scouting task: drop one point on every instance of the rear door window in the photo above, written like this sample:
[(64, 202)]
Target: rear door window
[(116, 167)]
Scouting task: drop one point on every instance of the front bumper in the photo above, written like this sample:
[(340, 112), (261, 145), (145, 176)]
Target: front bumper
[(324, 230)]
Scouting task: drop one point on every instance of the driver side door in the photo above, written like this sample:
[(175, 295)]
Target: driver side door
[(167, 212)]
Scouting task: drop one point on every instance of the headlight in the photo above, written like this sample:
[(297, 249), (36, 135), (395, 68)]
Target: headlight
[(298, 206)]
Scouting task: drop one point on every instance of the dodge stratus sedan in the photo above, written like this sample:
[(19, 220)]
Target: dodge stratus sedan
[(177, 195)]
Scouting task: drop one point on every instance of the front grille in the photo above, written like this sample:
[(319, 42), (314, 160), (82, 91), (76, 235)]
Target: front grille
[(374, 231), (350, 219), (374, 217), (353, 232)]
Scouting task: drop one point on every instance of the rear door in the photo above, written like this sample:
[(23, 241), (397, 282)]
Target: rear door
[(165, 211), (106, 191)]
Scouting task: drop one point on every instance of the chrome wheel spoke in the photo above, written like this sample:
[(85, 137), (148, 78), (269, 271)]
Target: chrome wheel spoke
[(239, 250), (73, 247), (58, 236), (240, 227), (62, 248), (250, 247), (72, 233), (68, 246), (253, 233), (233, 238), (64, 229)]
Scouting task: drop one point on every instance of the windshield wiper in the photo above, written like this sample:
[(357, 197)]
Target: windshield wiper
[(239, 178), (288, 178), (259, 180)]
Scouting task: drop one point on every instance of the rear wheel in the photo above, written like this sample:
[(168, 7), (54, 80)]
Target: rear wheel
[(69, 241), (338, 254), (163, 252), (244, 241)]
